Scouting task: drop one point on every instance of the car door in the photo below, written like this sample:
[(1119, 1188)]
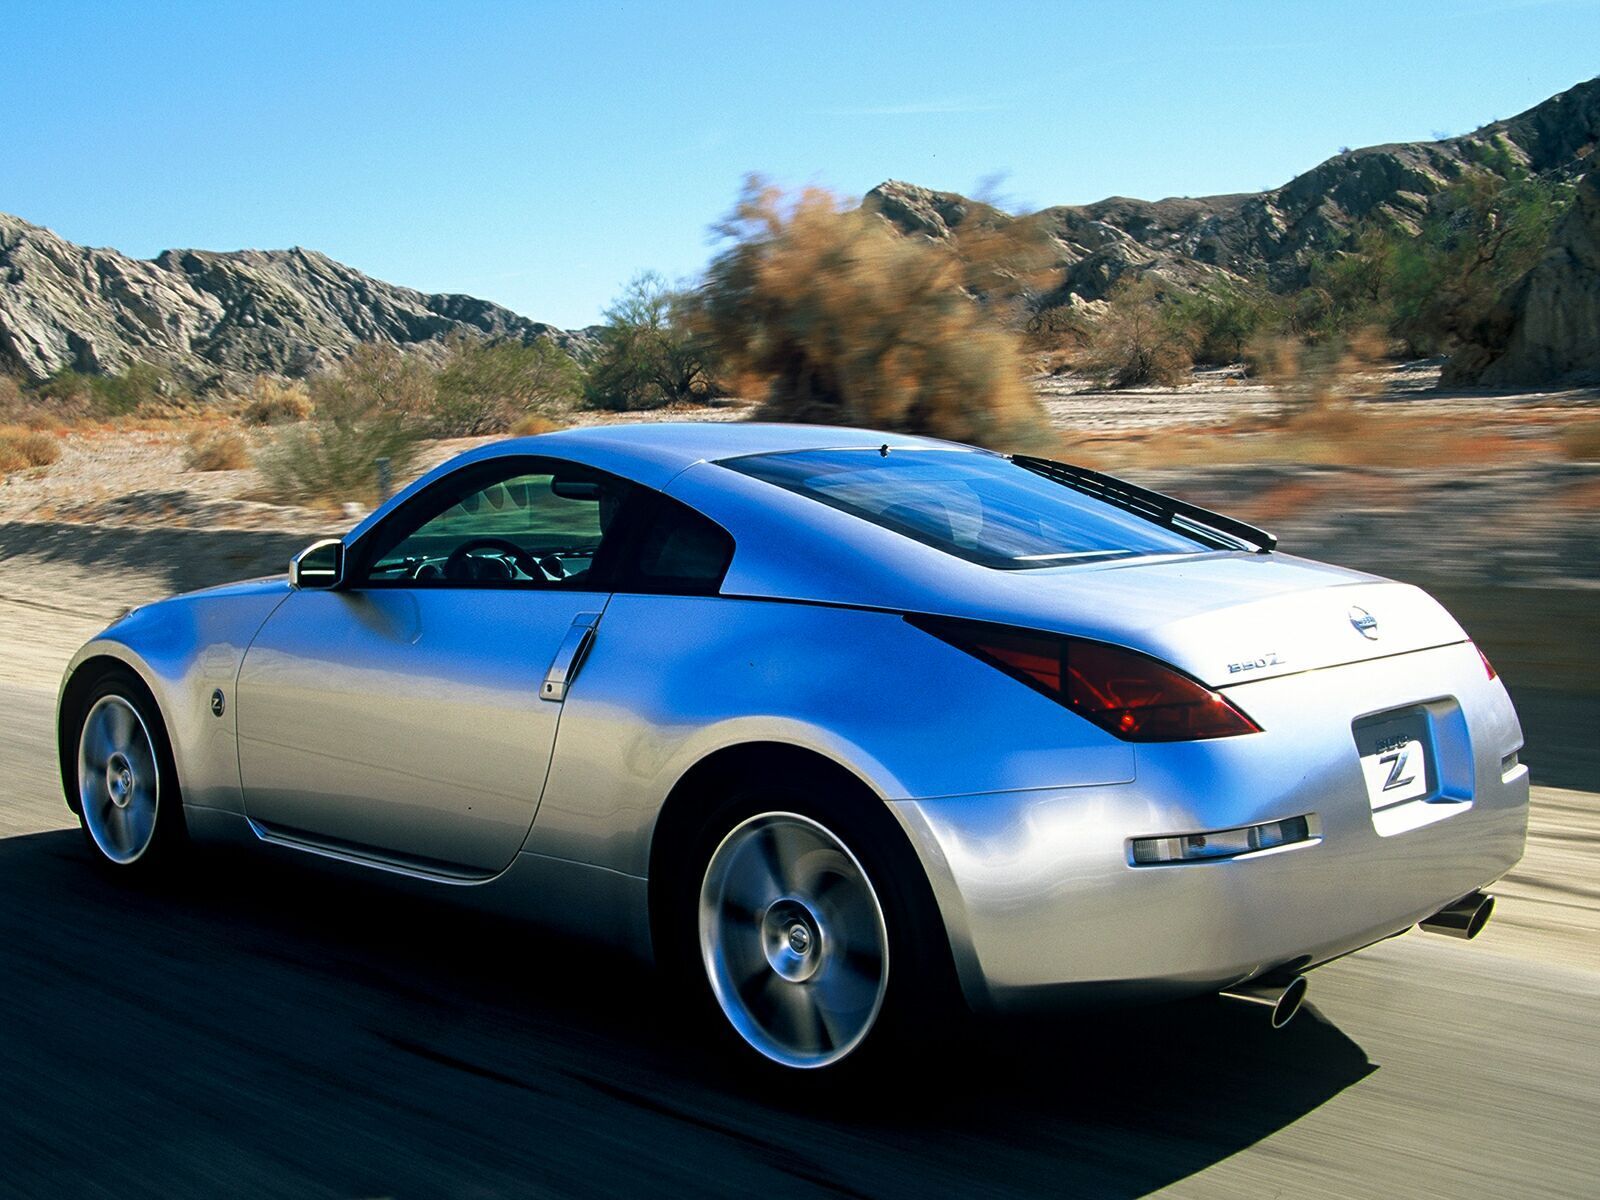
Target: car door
[(408, 715)]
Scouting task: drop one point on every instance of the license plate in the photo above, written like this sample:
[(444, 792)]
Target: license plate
[(1394, 758)]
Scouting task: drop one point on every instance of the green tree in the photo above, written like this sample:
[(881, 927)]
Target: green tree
[(653, 350), (1483, 234)]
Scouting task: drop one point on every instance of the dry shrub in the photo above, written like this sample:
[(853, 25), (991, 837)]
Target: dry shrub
[(1315, 382), (273, 401), (1580, 441), (484, 387), (1136, 341), (21, 448), (372, 405), (533, 424), (849, 322), (217, 450), (12, 405)]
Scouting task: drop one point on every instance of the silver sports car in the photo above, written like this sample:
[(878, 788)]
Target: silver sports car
[(831, 724)]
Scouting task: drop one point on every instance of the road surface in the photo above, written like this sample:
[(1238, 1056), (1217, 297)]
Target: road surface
[(261, 1032)]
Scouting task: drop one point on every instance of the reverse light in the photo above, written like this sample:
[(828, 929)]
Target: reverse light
[(1130, 695), (1227, 843)]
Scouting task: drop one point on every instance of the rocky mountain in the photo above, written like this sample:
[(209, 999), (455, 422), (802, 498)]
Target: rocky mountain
[(214, 316), (1548, 328), (1274, 233)]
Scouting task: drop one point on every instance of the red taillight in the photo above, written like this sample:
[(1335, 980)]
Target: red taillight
[(1129, 694), (1487, 665)]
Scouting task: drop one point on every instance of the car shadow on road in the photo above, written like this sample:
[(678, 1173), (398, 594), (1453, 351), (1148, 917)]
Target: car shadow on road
[(256, 1030)]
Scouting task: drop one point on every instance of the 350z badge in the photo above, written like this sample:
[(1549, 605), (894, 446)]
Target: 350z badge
[(1269, 659)]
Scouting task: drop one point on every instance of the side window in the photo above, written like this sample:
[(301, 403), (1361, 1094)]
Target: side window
[(527, 525), (677, 551)]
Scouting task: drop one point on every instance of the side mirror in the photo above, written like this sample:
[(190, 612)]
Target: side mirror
[(319, 565)]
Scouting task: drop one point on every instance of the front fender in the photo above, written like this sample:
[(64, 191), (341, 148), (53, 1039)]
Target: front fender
[(184, 649)]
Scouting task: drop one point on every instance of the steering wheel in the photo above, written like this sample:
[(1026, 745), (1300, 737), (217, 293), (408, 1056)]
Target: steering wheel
[(526, 563)]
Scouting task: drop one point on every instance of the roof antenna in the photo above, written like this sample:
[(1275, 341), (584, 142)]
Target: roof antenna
[(883, 450)]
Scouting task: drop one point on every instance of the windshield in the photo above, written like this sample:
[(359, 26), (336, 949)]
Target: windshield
[(980, 507)]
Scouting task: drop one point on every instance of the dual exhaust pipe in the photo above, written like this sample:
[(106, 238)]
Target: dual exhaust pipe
[(1282, 992)]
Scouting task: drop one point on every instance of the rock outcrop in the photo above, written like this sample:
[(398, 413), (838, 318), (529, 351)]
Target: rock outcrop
[(1272, 234), (214, 316), (1547, 329)]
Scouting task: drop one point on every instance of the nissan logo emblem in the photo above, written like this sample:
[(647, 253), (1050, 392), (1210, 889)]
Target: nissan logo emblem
[(1365, 623)]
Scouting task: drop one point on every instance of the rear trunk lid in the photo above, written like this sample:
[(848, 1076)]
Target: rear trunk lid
[(1230, 618)]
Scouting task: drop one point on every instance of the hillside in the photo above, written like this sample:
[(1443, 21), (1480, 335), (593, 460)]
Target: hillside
[(1548, 328), (211, 316), (1271, 234)]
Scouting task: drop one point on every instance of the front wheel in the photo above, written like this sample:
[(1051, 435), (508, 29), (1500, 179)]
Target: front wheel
[(793, 940), (126, 786)]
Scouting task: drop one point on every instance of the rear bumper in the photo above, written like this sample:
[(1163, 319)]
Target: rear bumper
[(1044, 905)]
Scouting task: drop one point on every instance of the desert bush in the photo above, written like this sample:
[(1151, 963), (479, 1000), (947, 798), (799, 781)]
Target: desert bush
[(485, 387), (1315, 381), (21, 448), (12, 405), (849, 322), (1136, 340), (371, 406), (653, 351), (273, 401), (71, 395), (1006, 263), (374, 381), (1219, 322), (532, 424), (217, 450), (1580, 441)]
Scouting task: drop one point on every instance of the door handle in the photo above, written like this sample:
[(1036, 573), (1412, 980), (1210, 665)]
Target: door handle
[(569, 657)]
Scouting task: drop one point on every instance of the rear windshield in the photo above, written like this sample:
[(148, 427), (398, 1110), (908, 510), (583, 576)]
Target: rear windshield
[(980, 507)]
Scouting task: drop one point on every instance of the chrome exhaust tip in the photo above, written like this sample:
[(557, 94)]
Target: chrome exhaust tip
[(1281, 993), (1463, 919)]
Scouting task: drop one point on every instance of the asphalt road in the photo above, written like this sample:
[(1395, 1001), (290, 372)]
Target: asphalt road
[(254, 1032)]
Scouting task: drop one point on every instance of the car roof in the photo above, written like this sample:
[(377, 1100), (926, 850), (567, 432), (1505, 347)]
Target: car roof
[(653, 453), (656, 453)]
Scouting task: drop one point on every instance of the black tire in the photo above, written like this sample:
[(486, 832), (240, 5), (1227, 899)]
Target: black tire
[(154, 776), (919, 1000)]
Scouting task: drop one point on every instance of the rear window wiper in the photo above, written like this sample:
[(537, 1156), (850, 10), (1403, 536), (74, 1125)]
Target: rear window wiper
[(1155, 507)]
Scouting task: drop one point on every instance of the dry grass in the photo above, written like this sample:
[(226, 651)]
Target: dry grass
[(217, 450), (21, 447)]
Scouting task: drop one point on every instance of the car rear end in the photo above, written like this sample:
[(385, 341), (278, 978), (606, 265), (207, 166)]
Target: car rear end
[(1321, 758), (1369, 794)]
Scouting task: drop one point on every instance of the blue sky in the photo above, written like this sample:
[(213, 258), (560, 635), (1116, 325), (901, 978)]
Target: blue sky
[(540, 154)]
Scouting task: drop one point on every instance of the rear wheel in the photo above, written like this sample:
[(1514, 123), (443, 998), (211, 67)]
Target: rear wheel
[(793, 940), (126, 785), (799, 916)]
